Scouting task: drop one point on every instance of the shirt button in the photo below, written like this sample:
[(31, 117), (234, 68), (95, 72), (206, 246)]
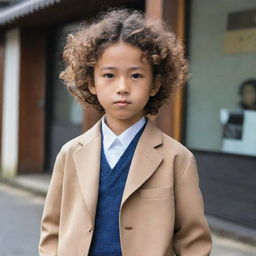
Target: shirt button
[(128, 228), (90, 229)]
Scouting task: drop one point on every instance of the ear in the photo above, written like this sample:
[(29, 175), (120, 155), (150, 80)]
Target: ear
[(156, 87), (92, 87)]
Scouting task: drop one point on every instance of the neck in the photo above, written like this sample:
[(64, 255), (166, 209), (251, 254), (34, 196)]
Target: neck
[(120, 125)]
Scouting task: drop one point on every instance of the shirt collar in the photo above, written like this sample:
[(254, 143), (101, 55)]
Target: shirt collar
[(125, 137)]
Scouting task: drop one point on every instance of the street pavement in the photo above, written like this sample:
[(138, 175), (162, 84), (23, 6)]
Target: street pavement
[(20, 215), (227, 247)]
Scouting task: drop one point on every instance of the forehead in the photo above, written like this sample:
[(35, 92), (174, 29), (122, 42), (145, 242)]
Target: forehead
[(122, 55)]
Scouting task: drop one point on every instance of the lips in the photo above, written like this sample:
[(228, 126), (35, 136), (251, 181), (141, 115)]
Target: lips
[(123, 101)]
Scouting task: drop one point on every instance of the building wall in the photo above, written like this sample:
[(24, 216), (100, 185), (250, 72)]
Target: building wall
[(227, 179)]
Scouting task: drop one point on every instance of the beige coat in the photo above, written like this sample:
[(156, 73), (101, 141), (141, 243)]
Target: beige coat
[(162, 210)]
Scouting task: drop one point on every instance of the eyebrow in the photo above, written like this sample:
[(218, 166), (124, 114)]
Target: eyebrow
[(114, 68)]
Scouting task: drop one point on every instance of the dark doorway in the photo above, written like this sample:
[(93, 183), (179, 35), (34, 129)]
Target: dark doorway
[(64, 116)]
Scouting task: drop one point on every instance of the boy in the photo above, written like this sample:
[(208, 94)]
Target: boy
[(124, 187)]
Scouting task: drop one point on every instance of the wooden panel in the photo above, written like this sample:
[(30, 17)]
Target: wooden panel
[(32, 97), (227, 182), (2, 43)]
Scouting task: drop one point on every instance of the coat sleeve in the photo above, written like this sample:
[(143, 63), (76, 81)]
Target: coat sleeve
[(48, 244), (192, 235)]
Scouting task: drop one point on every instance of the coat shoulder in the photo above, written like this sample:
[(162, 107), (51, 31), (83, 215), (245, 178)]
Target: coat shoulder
[(176, 147), (71, 144), (82, 139), (182, 158), (78, 141)]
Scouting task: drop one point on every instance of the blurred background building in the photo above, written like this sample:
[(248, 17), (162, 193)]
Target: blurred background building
[(214, 115)]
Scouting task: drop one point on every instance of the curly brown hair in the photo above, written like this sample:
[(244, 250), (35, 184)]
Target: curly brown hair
[(159, 45)]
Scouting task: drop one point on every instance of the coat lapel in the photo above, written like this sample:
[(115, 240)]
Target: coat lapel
[(87, 161), (145, 161)]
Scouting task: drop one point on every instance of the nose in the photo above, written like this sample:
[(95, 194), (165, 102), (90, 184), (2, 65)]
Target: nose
[(123, 87)]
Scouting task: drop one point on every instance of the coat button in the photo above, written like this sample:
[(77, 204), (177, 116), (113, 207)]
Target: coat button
[(128, 228)]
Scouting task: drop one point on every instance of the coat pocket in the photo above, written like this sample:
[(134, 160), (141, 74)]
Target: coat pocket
[(157, 193)]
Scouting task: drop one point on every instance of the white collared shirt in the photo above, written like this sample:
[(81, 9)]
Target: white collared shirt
[(114, 146)]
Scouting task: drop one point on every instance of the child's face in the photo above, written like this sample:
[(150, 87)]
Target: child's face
[(122, 83), (249, 95)]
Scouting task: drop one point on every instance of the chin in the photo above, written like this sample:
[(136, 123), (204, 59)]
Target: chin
[(125, 115)]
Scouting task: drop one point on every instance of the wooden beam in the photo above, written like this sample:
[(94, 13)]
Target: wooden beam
[(178, 106), (154, 9), (170, 117)]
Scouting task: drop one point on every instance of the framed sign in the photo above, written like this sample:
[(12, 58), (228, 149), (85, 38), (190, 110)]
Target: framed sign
[(240, 35)]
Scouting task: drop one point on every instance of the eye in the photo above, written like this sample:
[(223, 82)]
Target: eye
[(108, 75), (137, 75)]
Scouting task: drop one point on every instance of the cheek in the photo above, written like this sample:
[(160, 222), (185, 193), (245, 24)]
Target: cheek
[(102, 96), (249, 96), (146, 90), (102, 88), (142, 95)]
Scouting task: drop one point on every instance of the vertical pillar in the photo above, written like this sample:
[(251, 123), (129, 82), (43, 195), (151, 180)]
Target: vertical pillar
[(170, 117), (2, 47), (10, 116)]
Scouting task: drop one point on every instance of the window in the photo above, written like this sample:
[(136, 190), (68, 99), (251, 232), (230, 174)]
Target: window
[(221, 102)]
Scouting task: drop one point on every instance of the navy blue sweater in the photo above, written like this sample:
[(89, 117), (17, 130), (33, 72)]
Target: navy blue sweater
[(106, 240)]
